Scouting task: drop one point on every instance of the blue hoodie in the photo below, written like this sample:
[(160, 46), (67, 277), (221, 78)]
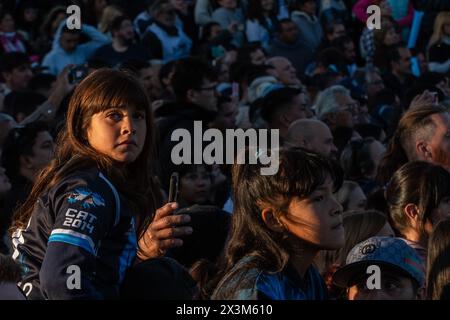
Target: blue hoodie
[(58, 58)]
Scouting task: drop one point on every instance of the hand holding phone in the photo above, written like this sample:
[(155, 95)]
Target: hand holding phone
[(173, 188)]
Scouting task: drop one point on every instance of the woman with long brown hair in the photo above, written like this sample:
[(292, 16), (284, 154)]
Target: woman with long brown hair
[(95, 200)]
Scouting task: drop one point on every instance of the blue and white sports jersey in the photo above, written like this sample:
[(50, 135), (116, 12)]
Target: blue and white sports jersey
[(79, 242), (241, 283)]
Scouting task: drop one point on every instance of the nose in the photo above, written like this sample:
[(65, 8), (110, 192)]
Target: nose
[(128, 127)]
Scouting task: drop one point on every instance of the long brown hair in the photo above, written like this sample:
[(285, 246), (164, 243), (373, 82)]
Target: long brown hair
[(300, 173), (420, 183), (401, 147), (438, 277), (102, 90)]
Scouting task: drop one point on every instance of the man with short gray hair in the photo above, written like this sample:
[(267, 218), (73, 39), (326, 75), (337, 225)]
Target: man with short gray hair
[(336, 107)]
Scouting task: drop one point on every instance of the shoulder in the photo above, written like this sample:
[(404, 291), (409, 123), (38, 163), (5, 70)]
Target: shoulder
[(240, 283), (89, 188)]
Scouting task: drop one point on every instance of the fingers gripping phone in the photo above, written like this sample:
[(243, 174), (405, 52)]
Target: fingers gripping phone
[(173, 188)]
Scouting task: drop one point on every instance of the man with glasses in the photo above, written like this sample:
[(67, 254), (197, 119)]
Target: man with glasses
[(337, 108), (194, 84)]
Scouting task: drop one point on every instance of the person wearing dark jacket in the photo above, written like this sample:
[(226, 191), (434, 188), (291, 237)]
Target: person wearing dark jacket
[(194, 84), (289, 45)]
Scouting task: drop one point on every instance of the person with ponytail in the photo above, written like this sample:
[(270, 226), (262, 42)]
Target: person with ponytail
[(423, 133), (90, 210), (279, 224), (418, 197)]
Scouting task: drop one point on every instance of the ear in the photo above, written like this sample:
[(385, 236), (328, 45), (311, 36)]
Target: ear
[(411, 211), (303, 143), (269, 218), (423, 150)]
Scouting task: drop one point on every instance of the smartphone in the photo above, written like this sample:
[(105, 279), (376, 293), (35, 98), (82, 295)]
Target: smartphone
[(435, 97), (77, 74), (173, 188)]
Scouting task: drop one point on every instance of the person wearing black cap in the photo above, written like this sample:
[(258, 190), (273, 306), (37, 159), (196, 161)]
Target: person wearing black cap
[(401, 275)]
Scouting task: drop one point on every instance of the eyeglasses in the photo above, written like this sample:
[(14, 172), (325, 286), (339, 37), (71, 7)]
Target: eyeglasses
[(352, 107)]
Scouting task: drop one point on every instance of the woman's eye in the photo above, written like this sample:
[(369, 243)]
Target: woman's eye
[(139, 116), (318, 198), (116, 116)]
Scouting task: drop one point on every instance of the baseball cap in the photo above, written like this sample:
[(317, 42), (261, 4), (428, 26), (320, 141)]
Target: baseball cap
[(390, 252)]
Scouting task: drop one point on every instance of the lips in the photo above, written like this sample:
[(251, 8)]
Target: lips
[(127, 143), (339, 225)]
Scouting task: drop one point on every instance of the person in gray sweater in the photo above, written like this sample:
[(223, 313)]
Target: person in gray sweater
[(309, 27), (230, 13)]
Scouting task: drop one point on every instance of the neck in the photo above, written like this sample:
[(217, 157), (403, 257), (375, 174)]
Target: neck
[(414, 236), (303, 257), (119, 45)]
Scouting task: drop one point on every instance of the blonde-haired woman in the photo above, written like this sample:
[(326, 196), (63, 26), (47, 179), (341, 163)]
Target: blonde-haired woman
[(109, 14), (439, 47)]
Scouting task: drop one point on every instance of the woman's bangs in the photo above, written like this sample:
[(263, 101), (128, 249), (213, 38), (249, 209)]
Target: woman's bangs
[(117, 95)]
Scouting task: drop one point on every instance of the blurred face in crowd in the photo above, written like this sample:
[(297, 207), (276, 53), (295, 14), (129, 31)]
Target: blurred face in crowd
[(195, 187), (289, 32), (403, 65), (166, 15), (180, 5), (299, 109), (5, 184), (267, 5), (30, 14), (316, 219), (356, 199), (118, 133), (146, 78), (69, 41), (285, 71), (125, 32), (438, 146), (18, 78), (338, 31), (226, 117), (215, 31), (394, 286), (7, 24), (258, 57), (348, 105), (374, 85), (446, 28), (349, 51), (318, 139), (392, 37), (309, 7), (42, 153), (204, 96), (228, 4)]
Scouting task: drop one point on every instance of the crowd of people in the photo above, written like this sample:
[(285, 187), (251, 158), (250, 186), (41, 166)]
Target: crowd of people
[(87, 120)]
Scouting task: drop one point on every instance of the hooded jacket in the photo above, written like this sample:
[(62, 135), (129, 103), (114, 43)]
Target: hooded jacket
[(58, 58)]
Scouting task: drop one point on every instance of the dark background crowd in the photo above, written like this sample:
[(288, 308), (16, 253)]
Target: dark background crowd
[(310, 68)]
